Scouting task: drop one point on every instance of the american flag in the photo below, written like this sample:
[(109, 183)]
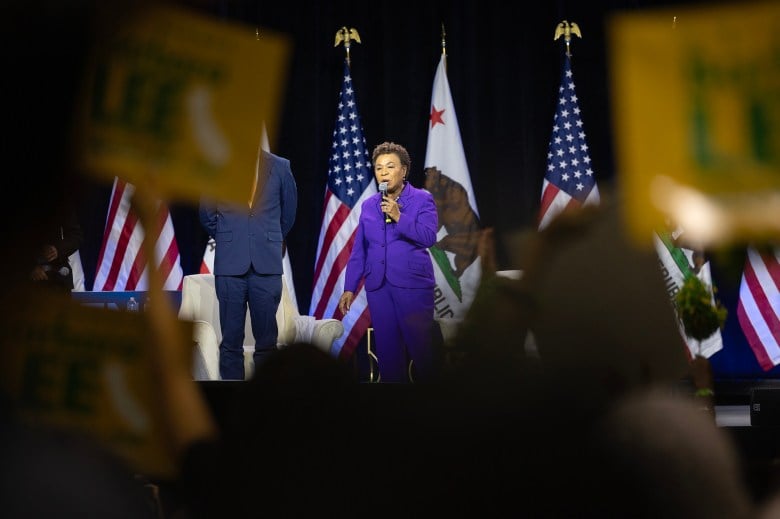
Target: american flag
[(758, 308), (350, 181), (121, 263), (569, 181)]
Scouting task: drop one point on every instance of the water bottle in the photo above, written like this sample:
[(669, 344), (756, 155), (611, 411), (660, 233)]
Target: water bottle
[(132, 305)]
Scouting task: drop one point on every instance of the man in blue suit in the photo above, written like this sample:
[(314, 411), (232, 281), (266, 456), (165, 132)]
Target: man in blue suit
[(248, 261)]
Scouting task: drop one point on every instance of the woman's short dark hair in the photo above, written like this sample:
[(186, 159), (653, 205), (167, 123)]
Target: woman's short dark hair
[(391, 147)]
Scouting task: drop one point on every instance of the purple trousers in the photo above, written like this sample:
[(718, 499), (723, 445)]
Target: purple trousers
[(402, 319)]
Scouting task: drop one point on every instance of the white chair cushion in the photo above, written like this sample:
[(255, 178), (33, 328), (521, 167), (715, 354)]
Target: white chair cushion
[(199, 304)]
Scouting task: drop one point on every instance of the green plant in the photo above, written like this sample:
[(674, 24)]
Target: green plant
[(698, 310), (701, 315)]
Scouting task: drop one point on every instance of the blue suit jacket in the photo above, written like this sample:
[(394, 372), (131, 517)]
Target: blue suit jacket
[(254, 237), (395, 251)]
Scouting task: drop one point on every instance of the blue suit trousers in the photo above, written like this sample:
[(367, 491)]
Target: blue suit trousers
[(262, 292)]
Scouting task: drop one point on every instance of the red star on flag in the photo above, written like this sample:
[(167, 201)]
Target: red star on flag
[(436, 116)]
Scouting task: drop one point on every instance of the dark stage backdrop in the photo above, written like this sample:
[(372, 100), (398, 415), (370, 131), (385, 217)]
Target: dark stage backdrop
[(503, 70)]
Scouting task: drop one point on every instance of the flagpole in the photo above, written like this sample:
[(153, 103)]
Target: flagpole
[(341, 213), (443, 40), (458, 274)]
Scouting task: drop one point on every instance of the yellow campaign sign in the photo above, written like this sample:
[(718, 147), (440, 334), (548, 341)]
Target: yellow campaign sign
[(696, 112), (178, 100), (86, 369)]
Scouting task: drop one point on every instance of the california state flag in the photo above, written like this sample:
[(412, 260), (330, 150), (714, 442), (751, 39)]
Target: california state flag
[(677, 263), (456, 264)]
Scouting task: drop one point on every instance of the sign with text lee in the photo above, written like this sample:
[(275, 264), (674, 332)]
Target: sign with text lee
[(697, 119), (88, 370), (178, 100)]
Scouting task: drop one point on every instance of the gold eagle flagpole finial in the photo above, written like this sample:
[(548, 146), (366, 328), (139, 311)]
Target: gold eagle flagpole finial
[(566, 29), (347, 36)]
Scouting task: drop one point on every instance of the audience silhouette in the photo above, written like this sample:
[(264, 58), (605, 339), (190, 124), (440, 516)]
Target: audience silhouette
[(594, 427)]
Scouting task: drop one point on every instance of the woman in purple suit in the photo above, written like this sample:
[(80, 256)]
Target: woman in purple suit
[(390, 255)]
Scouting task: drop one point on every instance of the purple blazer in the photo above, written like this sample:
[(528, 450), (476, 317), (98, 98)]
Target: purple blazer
[(394, 251)]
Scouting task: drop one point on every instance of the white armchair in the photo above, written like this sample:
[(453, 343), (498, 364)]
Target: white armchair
[(199, 304)]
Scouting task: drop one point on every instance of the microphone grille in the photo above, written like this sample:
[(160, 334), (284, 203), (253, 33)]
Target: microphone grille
[(383, 187)]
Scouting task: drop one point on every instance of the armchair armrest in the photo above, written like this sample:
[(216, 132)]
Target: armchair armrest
[(205, 357), (319, 332)]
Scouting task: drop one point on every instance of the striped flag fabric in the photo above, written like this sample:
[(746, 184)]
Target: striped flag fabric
[(456, 264), (758, 307), (207, 264), (569, 181), (677, 263), (350, 181), (121, 262)]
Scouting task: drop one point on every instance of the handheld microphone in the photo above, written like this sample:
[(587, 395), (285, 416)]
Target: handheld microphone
[(383, 190)]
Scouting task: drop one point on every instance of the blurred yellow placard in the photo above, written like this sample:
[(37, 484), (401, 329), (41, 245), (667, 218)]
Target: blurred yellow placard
[(696, 105), (87, 370), (180, 99)]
